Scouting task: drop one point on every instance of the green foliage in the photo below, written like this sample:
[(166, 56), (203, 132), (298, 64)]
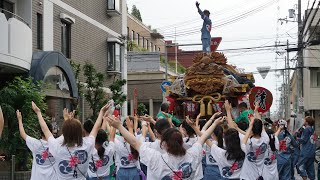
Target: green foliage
[(117, 94), (94, 93), (18, 94), (141, 110), (172, 65), (136, 13), (132, 46), (77, 70)]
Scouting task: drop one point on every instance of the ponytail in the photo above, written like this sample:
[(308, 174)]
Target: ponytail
[(218, 132), (101, 151), (100, 139), (272, 140), (134, 153), (174, 143)]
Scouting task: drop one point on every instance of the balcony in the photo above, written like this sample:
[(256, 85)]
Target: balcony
[(15, 44)]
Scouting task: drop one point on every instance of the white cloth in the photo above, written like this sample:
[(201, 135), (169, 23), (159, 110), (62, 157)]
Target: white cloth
[(229, 168), (184, 166), (209, 158), (187, 144), (255, 149), (270, 171), (42, 161), (65, 162), (124, 158), (102, 165)]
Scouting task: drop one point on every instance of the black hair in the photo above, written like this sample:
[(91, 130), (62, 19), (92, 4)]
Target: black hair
[(202, 122), (100, 139), (50, 127), (257, 127), (218, 132), (272, 138), (243, 105), (243, 125), (164, 107), (88, 125), (162, 125), (134, 152), (174, 142), (233, 148), (189, 129)]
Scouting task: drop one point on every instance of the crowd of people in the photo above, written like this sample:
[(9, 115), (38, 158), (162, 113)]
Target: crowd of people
[(160, 148)]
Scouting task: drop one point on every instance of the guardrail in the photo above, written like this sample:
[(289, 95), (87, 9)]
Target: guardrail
[(15, 16)]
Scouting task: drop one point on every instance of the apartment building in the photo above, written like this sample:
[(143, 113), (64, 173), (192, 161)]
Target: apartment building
[(143, 36), (311, 73), (41, 37)]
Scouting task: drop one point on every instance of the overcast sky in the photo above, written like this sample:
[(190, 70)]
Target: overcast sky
[(259, 29)]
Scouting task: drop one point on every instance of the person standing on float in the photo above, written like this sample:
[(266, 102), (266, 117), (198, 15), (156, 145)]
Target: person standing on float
[(206, 29)]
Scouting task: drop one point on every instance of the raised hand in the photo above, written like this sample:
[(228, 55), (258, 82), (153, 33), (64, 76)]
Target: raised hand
[(35, 107), (256, 106), (129, 124), (105, 108), (227, 105), (197, 4), (215, 115), (190, 122), (68, 115), (114, 122), (19, 116), (220, 120)]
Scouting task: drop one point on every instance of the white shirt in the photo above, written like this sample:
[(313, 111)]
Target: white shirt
[(188, 143), (228, 168), (65, 162), (209, 158), (43, 161), (156, 146), (270, 171), (184, 166), (124, 158), (103, 165), (255, 150)]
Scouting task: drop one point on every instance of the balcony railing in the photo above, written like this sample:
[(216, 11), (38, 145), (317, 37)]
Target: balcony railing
[(15, 44)]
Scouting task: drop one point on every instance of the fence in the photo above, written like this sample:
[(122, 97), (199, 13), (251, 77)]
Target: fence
[(8, 172)]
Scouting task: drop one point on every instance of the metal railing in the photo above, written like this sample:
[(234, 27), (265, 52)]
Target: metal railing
[(15, 16)]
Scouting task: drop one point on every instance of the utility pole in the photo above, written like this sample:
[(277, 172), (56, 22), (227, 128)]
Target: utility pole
[(287, 67), (166, 53), (300, 60)]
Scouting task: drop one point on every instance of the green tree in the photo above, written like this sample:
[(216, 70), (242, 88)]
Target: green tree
[(76, 70), (94, 93), (141, 110), (117, 94), (136, 12), (18, 94)]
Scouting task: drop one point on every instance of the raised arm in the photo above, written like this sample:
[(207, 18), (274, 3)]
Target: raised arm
[(42, 123), (149, 119), (21, 129), (256, 112), (98, 122), (135, 123), (194, 126), (112, 134), (209, 131), (228, 108), (248, 133), (1, 122), (133, 141), (105, 124)]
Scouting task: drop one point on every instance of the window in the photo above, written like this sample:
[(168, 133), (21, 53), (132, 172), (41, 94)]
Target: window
[(151, 46), (159, 49), (147, 43), (113, 5), (114, 57), (39, 31), (315, 78), (66, 39), (138, 39), (128, 35), (8, 8), (132, 35)]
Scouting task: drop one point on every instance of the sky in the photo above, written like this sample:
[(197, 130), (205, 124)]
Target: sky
[(179, 19)]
